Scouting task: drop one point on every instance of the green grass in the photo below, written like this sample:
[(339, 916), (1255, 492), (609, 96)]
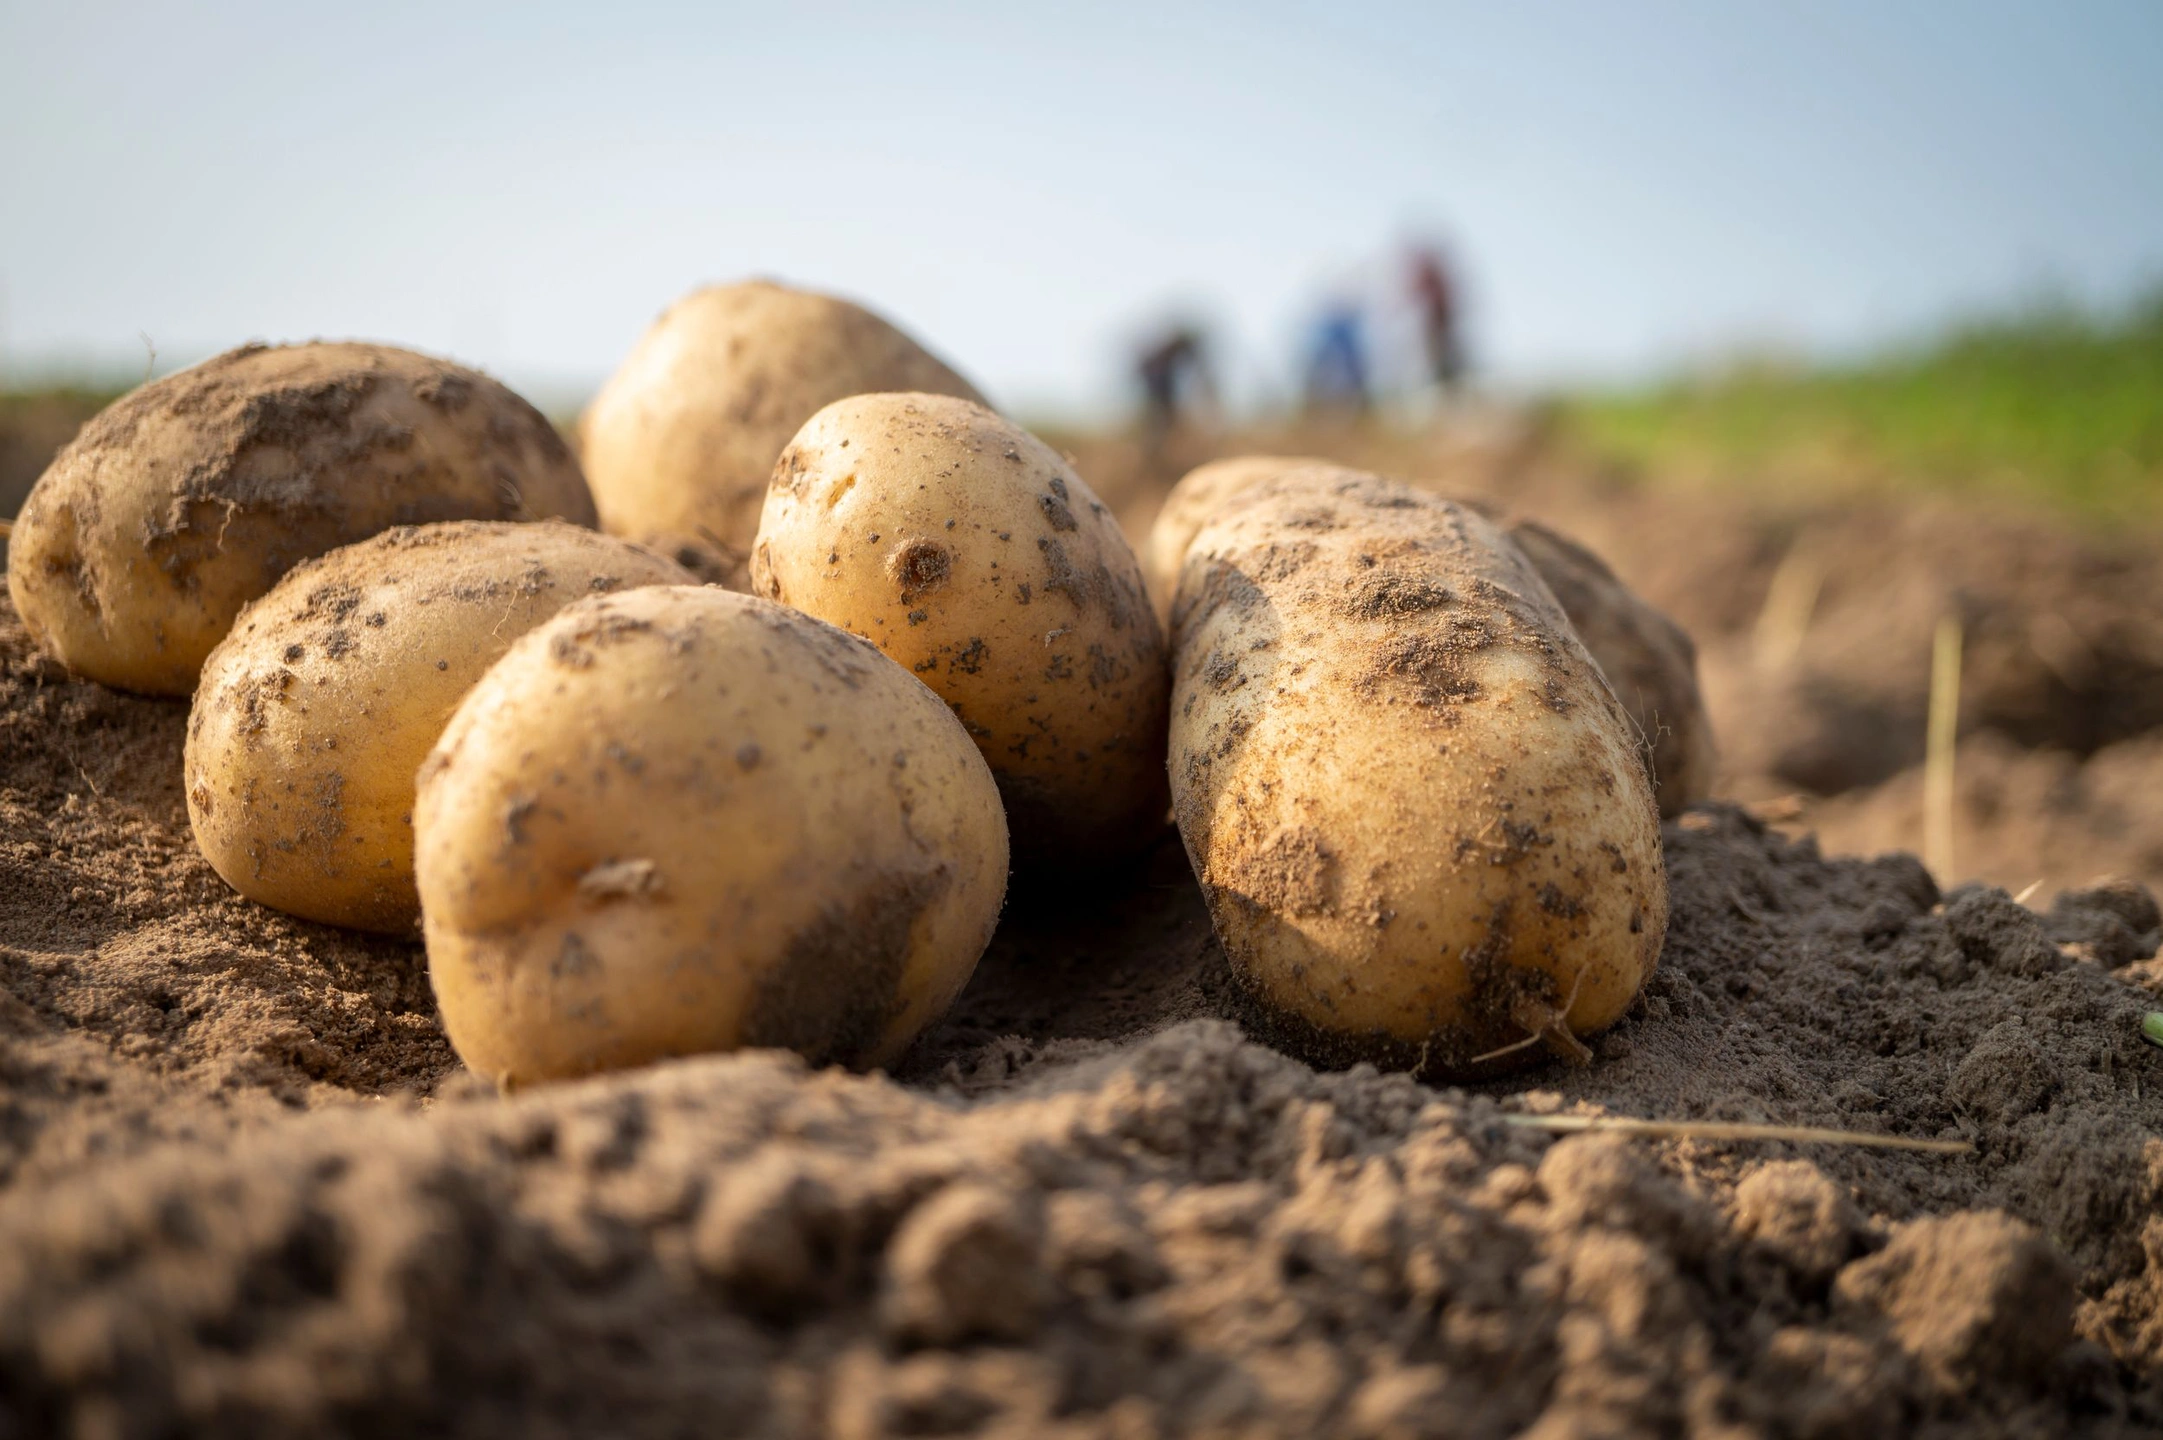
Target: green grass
[(2048, 405), (48, 405)]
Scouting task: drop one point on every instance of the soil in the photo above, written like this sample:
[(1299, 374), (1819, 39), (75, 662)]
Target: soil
[(246, 1188), (33, 427)]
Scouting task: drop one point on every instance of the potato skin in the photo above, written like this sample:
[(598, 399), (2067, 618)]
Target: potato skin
[(970, 552), (678, 820), (185, 499), (1649, 660), (1200, 494), (317, 709), (1422, 823), (680, 443)]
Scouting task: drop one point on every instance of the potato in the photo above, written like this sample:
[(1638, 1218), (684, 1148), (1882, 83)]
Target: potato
[(316, 711), (1422, 823), (1648, 659), (967, 550), (681, 441), (679, 820), (188, 498)]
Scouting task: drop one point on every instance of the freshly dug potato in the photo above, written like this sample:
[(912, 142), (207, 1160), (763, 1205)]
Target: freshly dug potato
[(678, 820), (316, 711), (188, 498), (1648, 659), (681, 441), (1423, 825), (966, 549)]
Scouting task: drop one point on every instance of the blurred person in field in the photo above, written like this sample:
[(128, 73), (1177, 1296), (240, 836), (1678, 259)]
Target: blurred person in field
[(1173, 372), (1434, 299), (1336, 375)]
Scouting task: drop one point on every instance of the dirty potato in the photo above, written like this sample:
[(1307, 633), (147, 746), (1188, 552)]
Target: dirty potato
[(1648, 659), (1423, 825), (967, 550), (186, 499), (316, 711), (679, 820), (680, 442)]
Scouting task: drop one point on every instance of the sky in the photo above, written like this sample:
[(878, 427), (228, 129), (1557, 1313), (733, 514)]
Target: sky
[(1627, 188)]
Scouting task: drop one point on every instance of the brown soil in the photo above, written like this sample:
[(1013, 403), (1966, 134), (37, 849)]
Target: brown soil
[(33, 427), (245, 1187)]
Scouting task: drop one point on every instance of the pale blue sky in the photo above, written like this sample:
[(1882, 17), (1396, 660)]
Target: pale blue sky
[(524, 185)]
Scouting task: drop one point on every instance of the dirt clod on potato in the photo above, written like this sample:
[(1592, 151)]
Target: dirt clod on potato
[(840, 982)]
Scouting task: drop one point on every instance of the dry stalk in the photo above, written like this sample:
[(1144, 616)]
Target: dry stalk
[(1726, 1130), (1790, 599), (1938, 756)]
